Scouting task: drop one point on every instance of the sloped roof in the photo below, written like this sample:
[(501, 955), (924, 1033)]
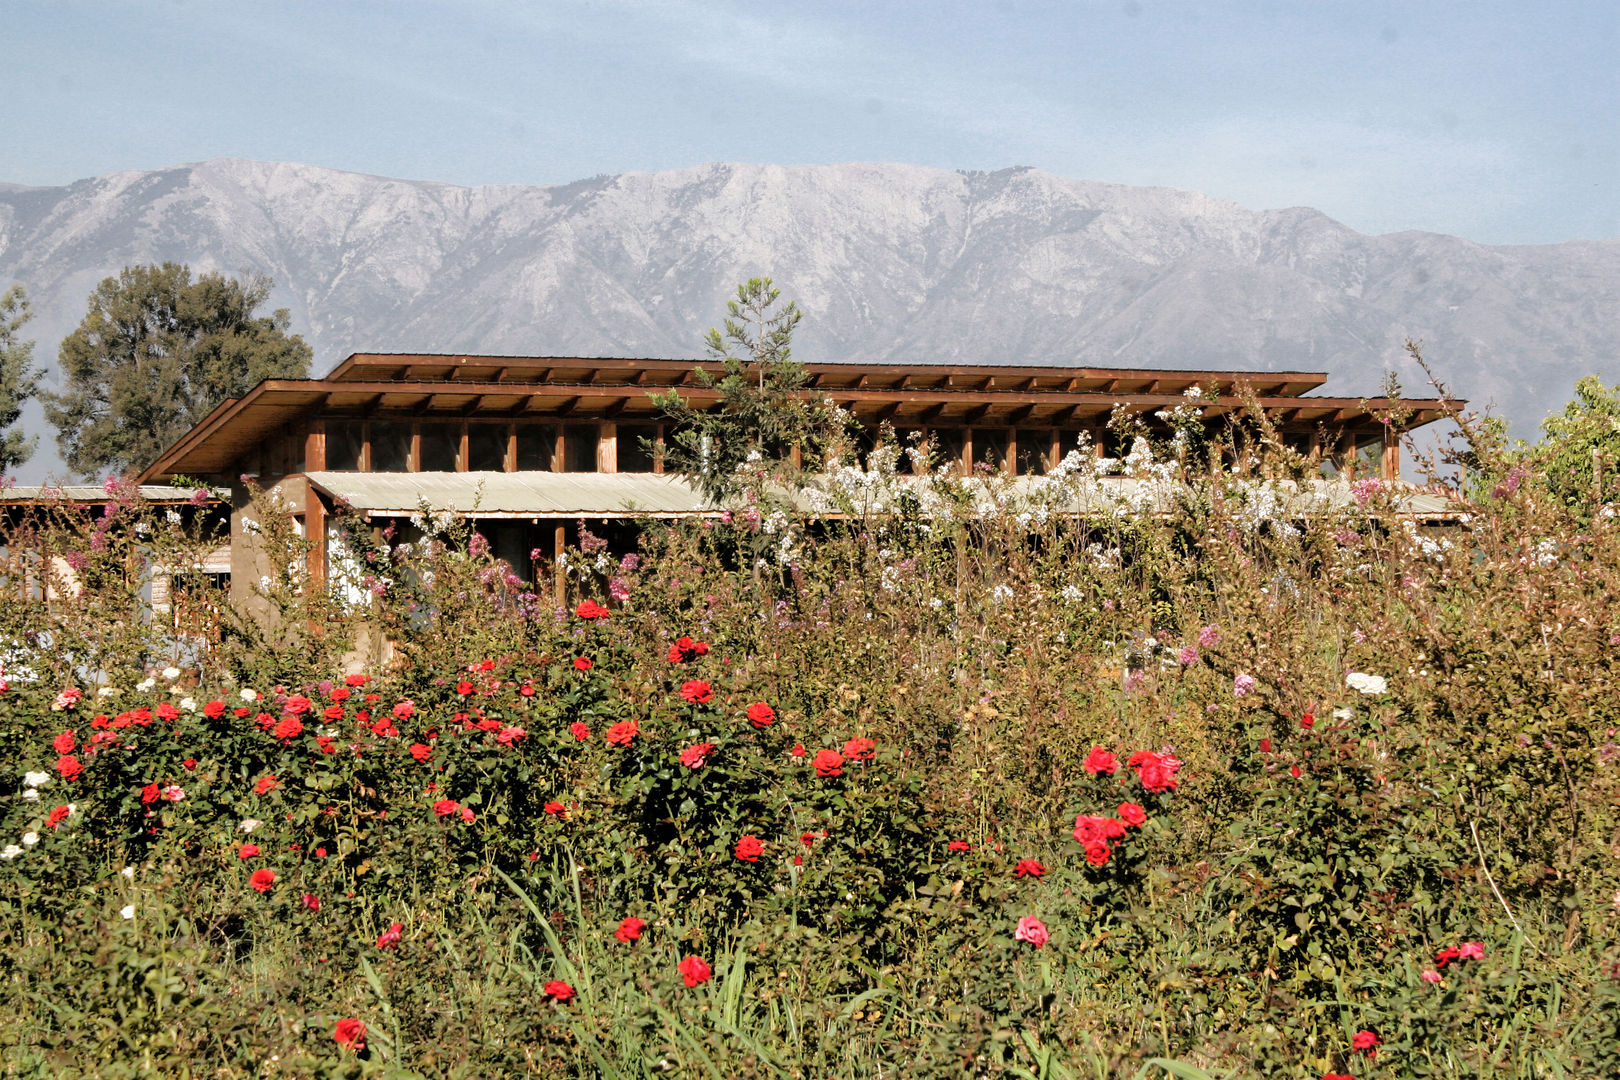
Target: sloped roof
[(514, 494)]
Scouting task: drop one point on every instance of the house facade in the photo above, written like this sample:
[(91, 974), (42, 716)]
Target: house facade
[(532, 445)]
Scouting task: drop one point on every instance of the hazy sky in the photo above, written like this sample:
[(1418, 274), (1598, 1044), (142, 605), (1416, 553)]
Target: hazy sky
[(1495, 121)]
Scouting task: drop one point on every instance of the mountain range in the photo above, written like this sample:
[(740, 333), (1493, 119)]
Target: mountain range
[(891, 263)]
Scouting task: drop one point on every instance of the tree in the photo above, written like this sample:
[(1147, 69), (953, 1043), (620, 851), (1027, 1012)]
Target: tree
[(763, 414), (156, 352), (19, 378)]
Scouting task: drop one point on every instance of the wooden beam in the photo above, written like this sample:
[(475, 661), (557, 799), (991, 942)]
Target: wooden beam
[(616, 408), (973, 416), (1019, 415), (567, 407)]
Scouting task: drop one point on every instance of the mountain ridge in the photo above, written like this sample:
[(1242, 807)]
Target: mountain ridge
[(891, 262)]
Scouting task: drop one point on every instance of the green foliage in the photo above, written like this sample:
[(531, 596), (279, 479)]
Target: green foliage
[(19, 378), (155, 353), (764, 413)]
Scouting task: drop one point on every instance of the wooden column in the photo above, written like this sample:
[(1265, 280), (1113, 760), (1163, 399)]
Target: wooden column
[(607, 447), (315, 448), (559, 541), (315, 533), (1389, 465)]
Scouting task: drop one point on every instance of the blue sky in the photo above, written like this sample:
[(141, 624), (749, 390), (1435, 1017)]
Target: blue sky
[(1495, 121)]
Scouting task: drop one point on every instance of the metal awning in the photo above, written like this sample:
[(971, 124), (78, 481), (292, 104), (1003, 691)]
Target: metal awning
[(514, 495)]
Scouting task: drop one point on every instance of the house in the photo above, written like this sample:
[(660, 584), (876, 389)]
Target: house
[(531, 445)]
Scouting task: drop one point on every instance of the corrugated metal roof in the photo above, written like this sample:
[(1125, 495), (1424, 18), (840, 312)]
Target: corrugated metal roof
[(519, 494), (95, 493)]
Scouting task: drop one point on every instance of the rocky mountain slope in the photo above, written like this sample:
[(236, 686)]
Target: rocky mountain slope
[(890, 262)]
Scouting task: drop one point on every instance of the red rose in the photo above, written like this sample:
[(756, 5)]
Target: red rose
[(697, 692), (339, 694), (1028, 868), (247, 851), (859, 749), (1097, 853), (685, 650), (350, 1034), (1113, 828), (798, 750), (1293, 771), (622, 733), (629, 930), (958, 845), (261, 880), (190, 764), (829, 763), (389, 938), (165, 711), (761, 715), (1132, 814), (265, 721), (1366, 1042), (57, 816), (464, 687), (579, 731), (332, 712), (583, 663), (527, 689), (266, 783), (555, 808), (1101, 761), (421, 751), (63, 743), (446, 807), (311, 902), (694, 970), (356, 680), (214, 709), (1157, 772), (590, 609), (69, 767), (1307, 721), (559, 991), (404, 710), (240, 711), (1265, 746), (151, 793), (750, 848), (693, 757), (290, 727), (297, 705)]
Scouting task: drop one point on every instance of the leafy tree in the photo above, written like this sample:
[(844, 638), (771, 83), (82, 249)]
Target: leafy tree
[(19, 378), (156, 352), (764, 412), (1584, 435)]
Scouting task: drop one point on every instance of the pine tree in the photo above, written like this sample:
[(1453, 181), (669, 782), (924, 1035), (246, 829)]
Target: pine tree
[(19, 378)]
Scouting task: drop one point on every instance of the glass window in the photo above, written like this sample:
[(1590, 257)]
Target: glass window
[(990, 446), (440, 448), (536, 446), (344, 440), (1034, 447), (949, 443), (486, 447), (579, 448), (635, 447), (390, 446)]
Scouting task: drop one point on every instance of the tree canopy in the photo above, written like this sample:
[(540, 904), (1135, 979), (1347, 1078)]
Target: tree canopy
[(156, 352), (763, 414), (19, 378)]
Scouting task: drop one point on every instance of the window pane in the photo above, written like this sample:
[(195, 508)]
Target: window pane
[(1034, 447), (990, 447), (948, 446), (579, 448), (390, 446), (635, 456), (440, 448), (536, 444), (486, 447), (343, 442)]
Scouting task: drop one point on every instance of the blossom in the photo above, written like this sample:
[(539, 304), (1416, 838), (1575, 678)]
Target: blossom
[(1366, 684), (1265, 746), (214, 709), (446, 807), (403, 710), (694, 970), (685, 650), (559, 991), (468, 815), (1132, 814), (1101, 761), (297, 705), (630, 929), (311, 902), (36, 779), (750, 848), (579, 731), (798, 750), (127, 911), (356, 680), (11, 852), (829, 763), (761, 715), (248, 695), (506, 736), (1187, 656), (67, 699), (63, 743), (289, 727), (247, 851), (1472, 950), (555, 808), (1157, 772), (958, 845), (30, 838), (1430, 975), (1028, 868), (858, 749), (1366, 1042), (1242, 684), (69, 768), (1032, 930), (697, 692), (151, 793), (1208, 637), (583, 663), (421, 751), (1307, 721), (1097, 853), (389, 938), (262, 880), (350, 1034), (266, 784), (590, 609), (622, 733), (694, 757), (56, 817)]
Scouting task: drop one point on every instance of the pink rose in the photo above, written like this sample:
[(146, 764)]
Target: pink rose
[(1032, 930)]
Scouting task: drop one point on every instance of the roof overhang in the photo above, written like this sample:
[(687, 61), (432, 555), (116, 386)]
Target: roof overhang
[(514, 495)]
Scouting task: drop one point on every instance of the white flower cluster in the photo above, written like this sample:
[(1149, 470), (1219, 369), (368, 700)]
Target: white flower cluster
[(1367, 684)]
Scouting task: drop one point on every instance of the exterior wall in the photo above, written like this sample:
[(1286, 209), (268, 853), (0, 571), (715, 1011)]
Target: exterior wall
[(250, 558)]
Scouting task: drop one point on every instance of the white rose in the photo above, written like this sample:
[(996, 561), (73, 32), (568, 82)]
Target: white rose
[(1366, 684), (249, 824), (188, 704), (36, 779), (171, 673), (129, 872), (30, 795), (11, 852), (127, 911), (249, 695), (30, 839), (146, 684), (106, 691)]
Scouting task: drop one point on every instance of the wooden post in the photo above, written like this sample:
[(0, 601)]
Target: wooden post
[(461, 452), (607, 448), (315, 448), (509, 462), (1389, 465), (315, 533), (559, 542)]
